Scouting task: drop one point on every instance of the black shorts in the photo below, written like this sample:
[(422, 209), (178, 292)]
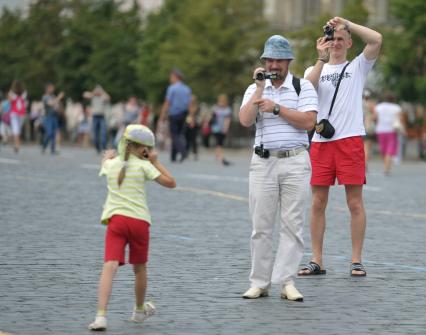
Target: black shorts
[(220, 138)]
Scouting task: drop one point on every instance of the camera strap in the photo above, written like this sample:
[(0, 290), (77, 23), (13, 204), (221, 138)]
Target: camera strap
[(259, 118), (337, 88)]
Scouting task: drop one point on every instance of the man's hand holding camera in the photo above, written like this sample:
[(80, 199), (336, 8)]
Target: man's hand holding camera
[(265, 105), (336, 21), (259, 83), (323, 47)]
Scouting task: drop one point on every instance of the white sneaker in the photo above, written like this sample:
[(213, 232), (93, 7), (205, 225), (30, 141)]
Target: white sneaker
[(99, 324), (140, 316), (290, 292), (255, 292)]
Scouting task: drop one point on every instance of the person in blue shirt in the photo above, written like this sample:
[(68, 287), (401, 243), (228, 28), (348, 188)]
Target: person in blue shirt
[(176, 106)]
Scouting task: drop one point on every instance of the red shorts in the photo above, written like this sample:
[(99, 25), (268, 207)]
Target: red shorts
[(123, 230), (344, 159)]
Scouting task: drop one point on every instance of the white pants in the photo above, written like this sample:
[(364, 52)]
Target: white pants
[(277, 184), (16, 122)]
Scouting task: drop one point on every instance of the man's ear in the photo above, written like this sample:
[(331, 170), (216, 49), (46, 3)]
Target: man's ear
[(349, 43)]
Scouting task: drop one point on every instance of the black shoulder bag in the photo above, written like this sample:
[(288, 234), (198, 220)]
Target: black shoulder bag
[(324, 127)]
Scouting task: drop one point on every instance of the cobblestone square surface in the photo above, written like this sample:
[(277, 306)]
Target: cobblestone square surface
[(51, 250)]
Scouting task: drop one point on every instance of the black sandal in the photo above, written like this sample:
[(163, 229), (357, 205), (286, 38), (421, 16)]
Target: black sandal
[(358, 267), (312, 269)]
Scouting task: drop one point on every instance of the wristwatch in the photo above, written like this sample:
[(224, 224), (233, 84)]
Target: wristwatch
[(276, 110)]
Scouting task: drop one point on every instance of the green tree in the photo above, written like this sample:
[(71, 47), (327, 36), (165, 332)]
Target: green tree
[(42, 44), (72, 43), (13, 54), (404, 51), (99, 46), (214, 42)]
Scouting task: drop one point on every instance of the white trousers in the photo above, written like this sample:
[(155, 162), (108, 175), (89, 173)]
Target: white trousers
[(277, 185)]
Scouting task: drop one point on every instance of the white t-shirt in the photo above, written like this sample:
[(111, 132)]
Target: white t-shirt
[(387, 113), (274, 131), (346, 115)]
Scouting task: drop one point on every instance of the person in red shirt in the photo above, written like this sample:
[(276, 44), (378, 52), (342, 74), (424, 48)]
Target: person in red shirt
[(17, 98)]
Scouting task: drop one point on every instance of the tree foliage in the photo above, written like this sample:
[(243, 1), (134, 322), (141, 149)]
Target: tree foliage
[(404, 46), (74, 44), (214, 42)]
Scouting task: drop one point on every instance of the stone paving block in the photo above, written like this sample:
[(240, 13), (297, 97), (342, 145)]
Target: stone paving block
[(51, 250)]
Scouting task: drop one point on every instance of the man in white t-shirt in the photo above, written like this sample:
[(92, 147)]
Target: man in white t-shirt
[(342, 155), (280, 168)]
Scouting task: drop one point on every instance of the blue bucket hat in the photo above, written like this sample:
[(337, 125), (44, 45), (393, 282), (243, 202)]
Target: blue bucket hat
[(277, 47)]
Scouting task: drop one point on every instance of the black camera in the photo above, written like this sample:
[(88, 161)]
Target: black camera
[(328, 33), (261, 152), (266, 75), (325, 129)]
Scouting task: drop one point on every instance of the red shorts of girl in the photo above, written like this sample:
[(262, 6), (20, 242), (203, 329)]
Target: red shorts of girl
[(123, 230)]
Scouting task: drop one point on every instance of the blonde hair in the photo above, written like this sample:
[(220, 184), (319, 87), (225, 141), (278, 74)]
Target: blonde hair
[(130, 146), (343, 27)]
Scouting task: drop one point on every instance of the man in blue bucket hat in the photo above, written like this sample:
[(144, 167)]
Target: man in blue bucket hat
[(283, 108)]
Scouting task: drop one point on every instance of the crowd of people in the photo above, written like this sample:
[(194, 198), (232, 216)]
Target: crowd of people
[(181, 125)]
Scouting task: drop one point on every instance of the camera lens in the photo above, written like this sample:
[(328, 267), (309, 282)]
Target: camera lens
[(260, 76)]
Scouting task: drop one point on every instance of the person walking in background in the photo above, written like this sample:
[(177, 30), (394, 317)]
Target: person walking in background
[(279, 169), (99, 100), (127, 216), (220, 123), (132, 112), (388, 116), (18, 108), (342, 154), (36, 118), (5, 130), (146, 117), (50, 119), (176, 106), (205, 118), (83, 127), (192, 127), (369, 124), (61, 132)]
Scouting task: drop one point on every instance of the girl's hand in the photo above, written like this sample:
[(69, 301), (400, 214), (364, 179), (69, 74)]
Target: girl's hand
[(109, 154), (259, 83), (151, 155)]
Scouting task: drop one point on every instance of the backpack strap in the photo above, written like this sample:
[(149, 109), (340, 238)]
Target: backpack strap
[(296, 84)]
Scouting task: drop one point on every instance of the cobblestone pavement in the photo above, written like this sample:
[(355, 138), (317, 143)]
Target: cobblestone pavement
[(51, 248)]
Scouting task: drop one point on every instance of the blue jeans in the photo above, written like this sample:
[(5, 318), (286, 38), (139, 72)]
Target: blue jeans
[(99, 132), (50, 124)]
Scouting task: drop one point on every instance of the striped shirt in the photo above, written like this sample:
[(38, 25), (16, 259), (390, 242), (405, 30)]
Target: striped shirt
[(273, 131), (130, 198)]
